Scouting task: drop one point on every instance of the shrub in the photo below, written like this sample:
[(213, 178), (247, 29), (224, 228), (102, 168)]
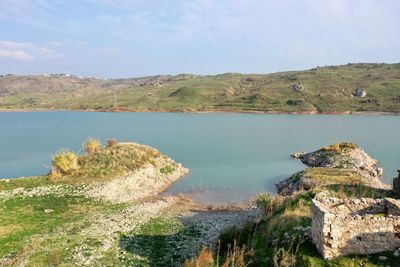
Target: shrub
[(167, 169), (64, 162), (111, 142), (339, 147), (92, 145), (269, 204)]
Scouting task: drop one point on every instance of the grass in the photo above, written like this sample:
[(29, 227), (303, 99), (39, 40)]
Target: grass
[(338, 147), (162, 242), (109, 162), (22, 218), (92, 145), (326, 89), (167, 169), (333, 176), (269, 204), (28, 182)]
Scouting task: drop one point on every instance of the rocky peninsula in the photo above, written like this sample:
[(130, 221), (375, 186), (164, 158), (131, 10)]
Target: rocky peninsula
[(104, 208)]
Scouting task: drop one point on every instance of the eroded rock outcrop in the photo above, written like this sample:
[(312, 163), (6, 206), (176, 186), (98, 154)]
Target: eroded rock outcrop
[(338, 163), (343, 156)]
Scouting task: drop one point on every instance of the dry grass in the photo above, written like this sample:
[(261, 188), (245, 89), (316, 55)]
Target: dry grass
[(204, 259), (54, 258), (91, 145), (64, 162), (237, 256), (338, 147), (109, 162), (333, 175), (357, 191), (5, 230)]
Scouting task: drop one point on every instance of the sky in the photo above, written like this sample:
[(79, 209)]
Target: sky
[(117, 38)]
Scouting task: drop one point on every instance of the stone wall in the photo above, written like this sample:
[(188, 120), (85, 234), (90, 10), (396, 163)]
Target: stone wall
[(355, 226), (396, 183)]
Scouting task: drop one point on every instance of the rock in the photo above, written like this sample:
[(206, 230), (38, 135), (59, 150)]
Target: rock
[(379, 171), (382, 258), (360, 93), (343, 156), (396, 253), (299, 181), (298, 155), (48, 210), (297, 87)]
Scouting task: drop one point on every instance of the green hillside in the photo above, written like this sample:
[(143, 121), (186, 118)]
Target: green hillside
[(323, 89)]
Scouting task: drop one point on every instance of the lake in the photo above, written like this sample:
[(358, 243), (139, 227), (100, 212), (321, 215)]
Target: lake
[(232, 157)]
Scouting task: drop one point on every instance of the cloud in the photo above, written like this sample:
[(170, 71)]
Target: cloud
[(27, 51), (247, 36), (15, 54)]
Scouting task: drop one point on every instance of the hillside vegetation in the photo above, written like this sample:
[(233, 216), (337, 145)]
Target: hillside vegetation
[(318, 90)]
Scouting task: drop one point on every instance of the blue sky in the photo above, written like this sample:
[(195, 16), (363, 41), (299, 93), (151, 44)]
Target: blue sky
[(116, 38)]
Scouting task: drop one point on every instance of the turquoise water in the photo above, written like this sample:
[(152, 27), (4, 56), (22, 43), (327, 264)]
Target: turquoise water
[(231, 157)]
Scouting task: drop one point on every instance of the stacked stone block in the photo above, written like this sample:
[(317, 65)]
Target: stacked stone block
[(355, 226)]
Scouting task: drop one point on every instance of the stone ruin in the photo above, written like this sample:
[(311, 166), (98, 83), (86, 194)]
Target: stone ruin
[(355, 226)]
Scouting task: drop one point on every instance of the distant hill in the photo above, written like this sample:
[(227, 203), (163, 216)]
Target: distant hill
[(346, 88)]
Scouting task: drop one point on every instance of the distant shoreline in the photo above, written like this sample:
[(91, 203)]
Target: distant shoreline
[(123, 110)]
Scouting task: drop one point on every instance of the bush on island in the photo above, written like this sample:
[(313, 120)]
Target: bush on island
[(64, 162), (91, 145)]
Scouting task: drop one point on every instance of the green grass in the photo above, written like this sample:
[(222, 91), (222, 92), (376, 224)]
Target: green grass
[(327, 89), (29, 182), (162, 242), (167, 169), (24, 217)]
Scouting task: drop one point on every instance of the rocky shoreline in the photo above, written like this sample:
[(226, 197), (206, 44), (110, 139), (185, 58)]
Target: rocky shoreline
[(122, 110)]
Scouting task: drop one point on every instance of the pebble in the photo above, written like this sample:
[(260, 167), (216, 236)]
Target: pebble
[(48, 210)]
